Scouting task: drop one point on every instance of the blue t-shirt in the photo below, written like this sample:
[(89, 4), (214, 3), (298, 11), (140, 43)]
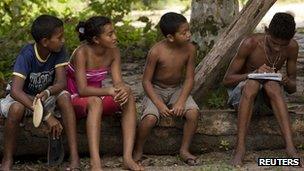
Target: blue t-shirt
[(38, 73)]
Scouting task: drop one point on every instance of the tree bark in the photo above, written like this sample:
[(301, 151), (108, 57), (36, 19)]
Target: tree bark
[(208, 20), (210, 70)]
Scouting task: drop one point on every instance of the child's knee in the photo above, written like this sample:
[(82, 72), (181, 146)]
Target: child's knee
[(273, 90), (192, 115), (94, 102), (64, 99), (16, 112), (151, 120), (250, 91)]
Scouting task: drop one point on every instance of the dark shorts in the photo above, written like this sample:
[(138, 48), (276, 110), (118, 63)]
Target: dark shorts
[(260, 103)]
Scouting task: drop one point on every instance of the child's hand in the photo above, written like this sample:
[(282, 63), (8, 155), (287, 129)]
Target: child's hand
[(55, 127), (164, 110), (42, 96), (122, 94), (285, 80), (265, 68), (178, 108), (111, 91)]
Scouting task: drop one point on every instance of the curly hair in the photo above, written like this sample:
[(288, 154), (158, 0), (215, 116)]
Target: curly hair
[(282, 26)]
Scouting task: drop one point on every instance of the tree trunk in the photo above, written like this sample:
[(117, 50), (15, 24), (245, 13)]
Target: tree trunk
[(210, 70), (208, 19)]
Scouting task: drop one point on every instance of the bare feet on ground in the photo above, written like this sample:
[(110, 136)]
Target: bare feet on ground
[(137, 155), (238, 157), (131, 165), (6, 165), (294, 154), (74, 166), (188, 158)]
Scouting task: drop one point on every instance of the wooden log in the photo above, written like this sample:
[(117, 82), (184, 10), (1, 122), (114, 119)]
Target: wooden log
[(210, 70), (216, 132)]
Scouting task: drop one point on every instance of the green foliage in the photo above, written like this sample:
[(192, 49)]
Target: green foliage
[(216, 101), (135, 42), (224, 144), (16, 17), (15, 21), (218, 98), (301, 147), (243, 2), (158, 4), (116, 9)]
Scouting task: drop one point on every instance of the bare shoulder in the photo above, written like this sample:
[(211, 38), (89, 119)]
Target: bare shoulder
[(190, 47), (293, 45), (156, 49), (252, 41), (82, 50), (293, 49)]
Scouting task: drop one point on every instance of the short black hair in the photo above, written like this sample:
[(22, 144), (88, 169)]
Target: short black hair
[(282, 26), (170, 22), (94, 26), (44, 26)]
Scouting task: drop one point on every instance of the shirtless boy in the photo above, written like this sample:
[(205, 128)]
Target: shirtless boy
[(264, 53), (167, 96)]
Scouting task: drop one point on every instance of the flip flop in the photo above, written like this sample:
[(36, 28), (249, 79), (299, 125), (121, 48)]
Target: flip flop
[(38, 112), (55, 153), (191, 161)]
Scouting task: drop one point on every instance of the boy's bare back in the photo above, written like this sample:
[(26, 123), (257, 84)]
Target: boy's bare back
[(167, 63)]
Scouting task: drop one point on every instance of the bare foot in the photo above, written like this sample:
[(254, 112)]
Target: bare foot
[(188, 158), (6, 165), (131, 165), (238, 157), (294, 154), (74, 164), (72, 167), (95, 169), (137, 155), (96, 165)]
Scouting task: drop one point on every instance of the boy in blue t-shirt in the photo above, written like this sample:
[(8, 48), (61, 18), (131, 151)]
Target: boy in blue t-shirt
[(39, 73)]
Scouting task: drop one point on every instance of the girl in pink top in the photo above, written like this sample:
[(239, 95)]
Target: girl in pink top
[(88, 67)]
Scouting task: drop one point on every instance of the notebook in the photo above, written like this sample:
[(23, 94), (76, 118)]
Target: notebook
[(265, 76)]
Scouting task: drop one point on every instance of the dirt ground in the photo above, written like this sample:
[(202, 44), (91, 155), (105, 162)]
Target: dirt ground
[(208, 162)]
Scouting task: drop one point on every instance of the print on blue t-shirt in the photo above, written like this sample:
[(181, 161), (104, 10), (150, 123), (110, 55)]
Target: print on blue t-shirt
[(38, 73)]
